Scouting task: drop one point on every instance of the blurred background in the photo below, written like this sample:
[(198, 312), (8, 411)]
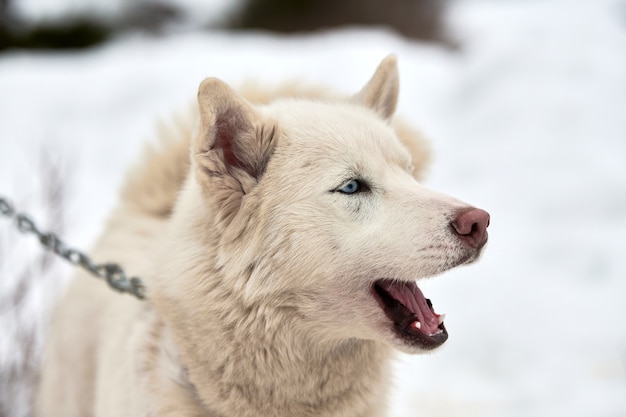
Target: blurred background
[(525, 104), (59, 24)]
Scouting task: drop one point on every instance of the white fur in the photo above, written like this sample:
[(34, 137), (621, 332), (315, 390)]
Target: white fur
[(258, 270)]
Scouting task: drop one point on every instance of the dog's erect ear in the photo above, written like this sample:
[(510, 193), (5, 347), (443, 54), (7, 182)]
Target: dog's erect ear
[(231, 131), (381, 91)]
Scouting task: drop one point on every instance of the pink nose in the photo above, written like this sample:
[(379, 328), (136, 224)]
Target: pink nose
[(471, 226)]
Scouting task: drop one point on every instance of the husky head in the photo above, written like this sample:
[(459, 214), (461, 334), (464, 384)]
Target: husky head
[(313, 205)]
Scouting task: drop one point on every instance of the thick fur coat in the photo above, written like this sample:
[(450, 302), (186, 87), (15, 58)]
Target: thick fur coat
[(279, 237)]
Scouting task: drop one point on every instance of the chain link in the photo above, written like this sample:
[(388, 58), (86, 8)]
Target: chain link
[(112, 273)]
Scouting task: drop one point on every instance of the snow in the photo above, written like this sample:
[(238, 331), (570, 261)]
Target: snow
[(527, 119)]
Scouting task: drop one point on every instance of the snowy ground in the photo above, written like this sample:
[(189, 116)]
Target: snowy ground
[(528, 121)]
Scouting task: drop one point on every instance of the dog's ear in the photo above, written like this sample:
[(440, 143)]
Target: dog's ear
[(381, 92), (233, 138)]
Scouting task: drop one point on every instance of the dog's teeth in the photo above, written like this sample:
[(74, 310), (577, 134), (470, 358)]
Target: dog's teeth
[(416, 324), (441, 318)]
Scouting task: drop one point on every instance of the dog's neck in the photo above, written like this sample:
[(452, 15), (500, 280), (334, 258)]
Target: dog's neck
[(230, 371)]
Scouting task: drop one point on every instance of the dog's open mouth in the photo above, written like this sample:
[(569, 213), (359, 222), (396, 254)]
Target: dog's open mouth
[(413, 317)]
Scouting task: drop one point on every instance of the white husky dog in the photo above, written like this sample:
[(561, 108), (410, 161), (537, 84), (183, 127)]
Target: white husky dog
[(281, 245)]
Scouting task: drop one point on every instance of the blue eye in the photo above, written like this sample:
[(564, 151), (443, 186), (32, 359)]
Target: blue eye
[(351, 187)]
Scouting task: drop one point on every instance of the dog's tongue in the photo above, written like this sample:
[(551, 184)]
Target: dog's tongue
[(412, 298)]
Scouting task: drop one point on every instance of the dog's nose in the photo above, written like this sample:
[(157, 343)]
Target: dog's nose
[(471, 226)]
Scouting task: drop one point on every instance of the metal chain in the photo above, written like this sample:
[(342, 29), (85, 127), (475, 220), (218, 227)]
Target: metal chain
[(111, 272)]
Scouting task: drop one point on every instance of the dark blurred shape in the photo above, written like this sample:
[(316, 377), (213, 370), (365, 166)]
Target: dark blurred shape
[(4, 7), (419, 19), (73, 34), (76, 32)]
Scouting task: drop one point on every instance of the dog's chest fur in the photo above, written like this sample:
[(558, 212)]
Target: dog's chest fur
[(274, 374)]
